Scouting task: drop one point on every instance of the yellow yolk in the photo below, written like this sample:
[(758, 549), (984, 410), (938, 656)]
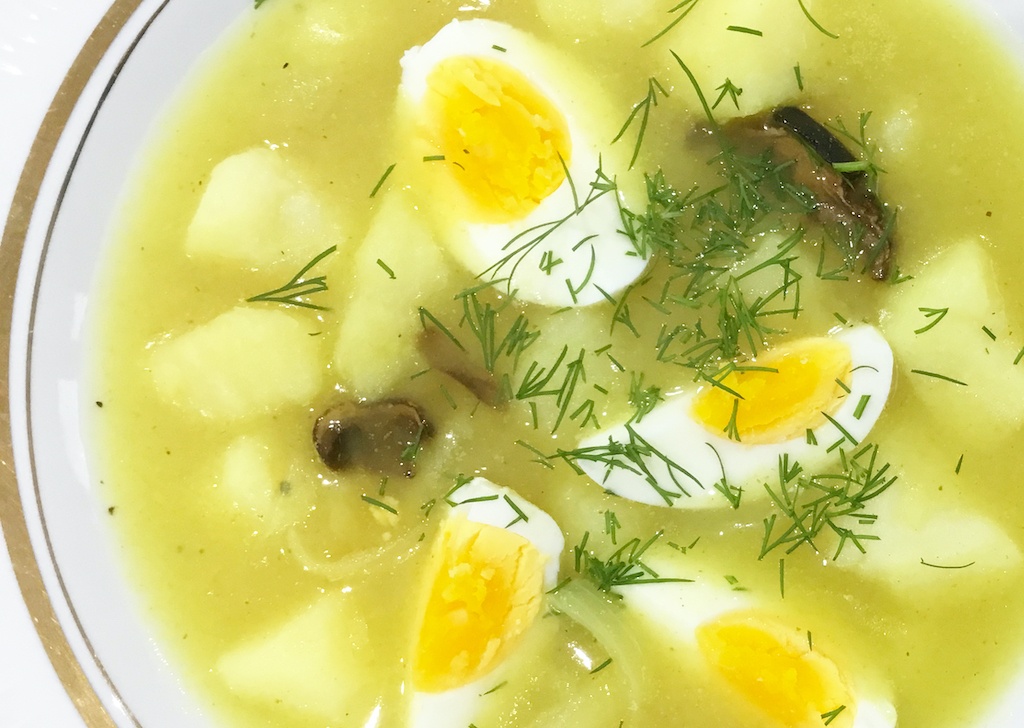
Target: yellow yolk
[(783, 397), (486, 592), (773, 667), (507, 143)]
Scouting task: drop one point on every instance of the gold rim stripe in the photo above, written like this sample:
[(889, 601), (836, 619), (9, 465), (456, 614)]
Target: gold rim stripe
[(12, 514)]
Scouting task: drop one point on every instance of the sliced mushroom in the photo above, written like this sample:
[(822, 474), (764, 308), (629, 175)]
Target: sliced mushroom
[(446, 356), (383, 437), (840, 198)]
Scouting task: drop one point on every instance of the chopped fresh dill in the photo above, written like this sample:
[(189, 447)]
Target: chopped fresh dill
[(499, 48), (742, 29), (959, 464), (939, 566), (728, 89), (386, 268), (861, 404), (434, 158), (815, 23), (799, 77), (612, 526), (830, 502), (383, 177), (520, 516), (448, 397), (934, 316), (299, 288), (868, 150), (636, 456), (831, 715), (642, 109), (642, 399), (782, 578), (379, 504), (988, 332), (602, 666), (1020, 355), (257, 3), (682, 9), (623, 567), (943, 377), (497, 687)]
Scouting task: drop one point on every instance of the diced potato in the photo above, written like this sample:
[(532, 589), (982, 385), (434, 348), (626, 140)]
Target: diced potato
[(596, 17), (245, 362), (990, 405), (315, 663), (260, 486), (376, 343), (255, 212), (714, 53), (916, 552)]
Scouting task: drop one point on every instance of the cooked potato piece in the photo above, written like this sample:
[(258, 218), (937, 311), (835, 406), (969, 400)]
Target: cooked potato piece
[(315, 663), (255, 212), (376, 342), (931, 550), (256, 484), (714, 53), (245, 362), (957, 293)]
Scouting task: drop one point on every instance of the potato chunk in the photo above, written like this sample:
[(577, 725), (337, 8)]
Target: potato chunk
[(315, 663), (257, 484), (376, 342), (245, 362), (958, 294), (256, 212), (714, 53)]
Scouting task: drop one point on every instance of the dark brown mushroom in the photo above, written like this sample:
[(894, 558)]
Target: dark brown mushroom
[(446, 356), (842, 198), (383, 437)]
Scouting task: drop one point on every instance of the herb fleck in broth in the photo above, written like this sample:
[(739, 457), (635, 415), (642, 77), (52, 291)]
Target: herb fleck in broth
[(316, 83)]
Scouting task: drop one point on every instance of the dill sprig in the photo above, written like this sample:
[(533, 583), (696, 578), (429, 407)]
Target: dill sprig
[(622, 567), (481, 318), (636, 456), (642, 109), (858, 137), (299, 288), (829, 502), (681, 11)]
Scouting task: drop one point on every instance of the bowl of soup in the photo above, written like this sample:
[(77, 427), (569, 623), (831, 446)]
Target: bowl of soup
[(524, 363)]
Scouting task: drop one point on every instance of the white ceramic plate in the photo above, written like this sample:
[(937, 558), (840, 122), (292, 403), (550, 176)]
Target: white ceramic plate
[(102, 652)]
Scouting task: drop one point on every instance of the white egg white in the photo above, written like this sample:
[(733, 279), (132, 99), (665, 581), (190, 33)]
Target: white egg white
[(576, 223), (481, 501), (701, 459)]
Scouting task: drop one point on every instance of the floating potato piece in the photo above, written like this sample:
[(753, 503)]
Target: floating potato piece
[(376, 344), (961, 278), (258, 485), (933, 551), (255, 212), (751, 62), (633, 18), (245, 362), (315, 663)]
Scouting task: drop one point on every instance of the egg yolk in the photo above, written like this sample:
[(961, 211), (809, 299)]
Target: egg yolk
[(781, 395), (485, 593), (507, 144), (774, 668)]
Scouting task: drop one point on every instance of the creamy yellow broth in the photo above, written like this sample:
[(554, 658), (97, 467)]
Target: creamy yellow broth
[(319, 78)]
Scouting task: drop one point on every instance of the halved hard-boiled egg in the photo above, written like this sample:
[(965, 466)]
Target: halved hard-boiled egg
[(495, 557), (514, 163), (773, 666), (805, 399)]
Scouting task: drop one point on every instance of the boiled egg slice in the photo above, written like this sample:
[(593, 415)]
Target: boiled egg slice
[(507, 141), (772, 665), (495, 557), (804, 399)]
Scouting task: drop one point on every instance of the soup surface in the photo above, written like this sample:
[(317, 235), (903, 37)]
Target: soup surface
[(448, 243)]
